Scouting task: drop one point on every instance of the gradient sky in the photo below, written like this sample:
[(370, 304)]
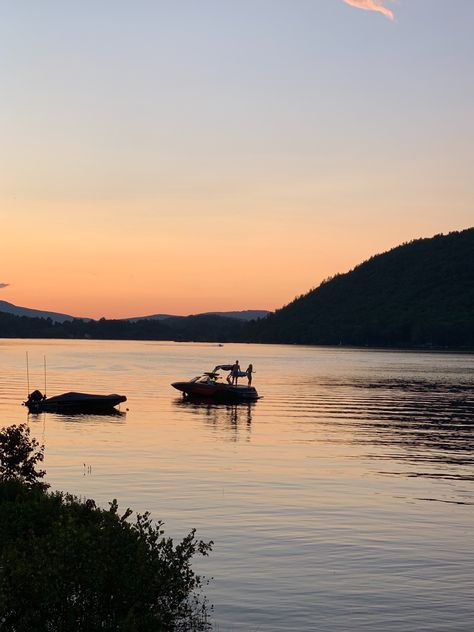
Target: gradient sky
[(190, 155)]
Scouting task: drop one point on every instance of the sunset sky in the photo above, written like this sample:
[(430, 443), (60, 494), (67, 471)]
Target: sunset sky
[(183, 156)]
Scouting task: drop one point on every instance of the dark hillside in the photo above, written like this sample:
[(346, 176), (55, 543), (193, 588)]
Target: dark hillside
[(418, 294), (198, 328)]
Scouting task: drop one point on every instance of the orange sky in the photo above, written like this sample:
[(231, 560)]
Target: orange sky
[(185, 159), (95, 264)]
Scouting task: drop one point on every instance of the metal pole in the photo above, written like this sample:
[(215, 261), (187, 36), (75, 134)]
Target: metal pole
[(27, 376)]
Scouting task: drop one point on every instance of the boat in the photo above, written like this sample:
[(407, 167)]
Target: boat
[(208, 386), (73, 403)]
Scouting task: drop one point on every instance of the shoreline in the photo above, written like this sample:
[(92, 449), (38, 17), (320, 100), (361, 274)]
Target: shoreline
[(413, 348)]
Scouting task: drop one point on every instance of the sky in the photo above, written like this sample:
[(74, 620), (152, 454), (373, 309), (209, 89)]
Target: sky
[(181, 156)]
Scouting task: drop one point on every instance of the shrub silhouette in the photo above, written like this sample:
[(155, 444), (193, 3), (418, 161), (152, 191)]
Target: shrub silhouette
[(19, 455), (68, 565)]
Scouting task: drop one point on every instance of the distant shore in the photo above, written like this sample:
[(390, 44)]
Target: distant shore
[(407, 348)]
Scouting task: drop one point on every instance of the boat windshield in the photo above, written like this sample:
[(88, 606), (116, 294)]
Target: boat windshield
[(203, 379)]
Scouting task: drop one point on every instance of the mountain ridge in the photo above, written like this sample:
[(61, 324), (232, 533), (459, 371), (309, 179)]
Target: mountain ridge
[(420, 293), (245, 314), (17, 310)]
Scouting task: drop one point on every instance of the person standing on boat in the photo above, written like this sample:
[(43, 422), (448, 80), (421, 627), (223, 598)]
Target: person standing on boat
[(235, 372), (248, 373)]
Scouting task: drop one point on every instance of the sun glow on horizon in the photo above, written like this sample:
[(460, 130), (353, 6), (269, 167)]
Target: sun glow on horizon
[(164, 268), (184, 159)]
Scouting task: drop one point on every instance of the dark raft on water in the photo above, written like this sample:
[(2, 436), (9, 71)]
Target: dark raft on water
[(72, 402)]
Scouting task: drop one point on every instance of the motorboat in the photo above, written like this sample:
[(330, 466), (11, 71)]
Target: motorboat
[(73, 403), (209, 386)]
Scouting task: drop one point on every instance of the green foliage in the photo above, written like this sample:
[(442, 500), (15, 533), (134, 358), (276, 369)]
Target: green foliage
[(19, 456), (69, 566), (418, 294)]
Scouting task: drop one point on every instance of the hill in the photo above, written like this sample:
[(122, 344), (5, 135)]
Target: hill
[(418, 294), (246, 314), (16, 310), (57, 317), (200, 328)]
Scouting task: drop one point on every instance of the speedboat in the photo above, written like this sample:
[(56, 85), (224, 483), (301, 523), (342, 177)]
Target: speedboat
[(72, 403), (208, 386)]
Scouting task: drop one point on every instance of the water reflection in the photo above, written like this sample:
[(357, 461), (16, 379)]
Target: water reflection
[(418, 422), (320, 498), (391, 400), (232, 418), (109, 416)]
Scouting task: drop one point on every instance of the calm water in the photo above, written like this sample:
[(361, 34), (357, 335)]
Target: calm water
[(342, 500)]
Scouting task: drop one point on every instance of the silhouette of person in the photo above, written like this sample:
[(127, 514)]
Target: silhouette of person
[(249, 372), (235, 372)]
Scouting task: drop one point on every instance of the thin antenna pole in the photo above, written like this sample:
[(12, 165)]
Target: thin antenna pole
[(44, 365), (27, 375)]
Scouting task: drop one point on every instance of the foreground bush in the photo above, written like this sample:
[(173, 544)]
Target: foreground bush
[(67, 565), (19, 456)]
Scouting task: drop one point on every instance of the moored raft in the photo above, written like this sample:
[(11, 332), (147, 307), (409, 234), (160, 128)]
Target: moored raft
[(73, 402)]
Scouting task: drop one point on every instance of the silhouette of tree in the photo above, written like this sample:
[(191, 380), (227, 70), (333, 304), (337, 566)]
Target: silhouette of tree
[(67, 565), (19, 456)]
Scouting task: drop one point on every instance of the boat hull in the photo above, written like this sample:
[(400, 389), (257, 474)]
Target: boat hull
[(217, 391), (76, 402)]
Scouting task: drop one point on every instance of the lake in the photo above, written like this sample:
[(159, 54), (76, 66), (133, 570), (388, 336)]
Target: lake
[(342, 500)]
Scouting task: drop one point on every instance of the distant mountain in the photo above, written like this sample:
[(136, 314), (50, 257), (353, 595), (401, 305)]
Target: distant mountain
[(22, 322), (418, 294), (9, 308), (151, 317), (247, 314), (181, 328)]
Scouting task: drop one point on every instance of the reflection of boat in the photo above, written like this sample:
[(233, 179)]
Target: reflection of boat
[(72, 402), (234, 418), (208, 386)]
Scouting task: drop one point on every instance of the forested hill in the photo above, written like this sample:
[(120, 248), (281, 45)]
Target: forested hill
[(418, 294), (200, 328)]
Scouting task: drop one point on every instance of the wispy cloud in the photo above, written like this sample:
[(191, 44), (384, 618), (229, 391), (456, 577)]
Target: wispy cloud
[(2, 285), (373, 5)]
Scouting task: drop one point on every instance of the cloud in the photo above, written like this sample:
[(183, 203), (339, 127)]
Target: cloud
[(372, 5), (2, 285)]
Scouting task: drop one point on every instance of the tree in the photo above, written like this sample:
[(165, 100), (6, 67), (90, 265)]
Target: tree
[(67, 565), (19, 456)]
